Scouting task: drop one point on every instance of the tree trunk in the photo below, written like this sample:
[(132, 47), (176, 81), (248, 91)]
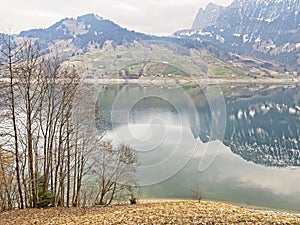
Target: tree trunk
[(14, 122)]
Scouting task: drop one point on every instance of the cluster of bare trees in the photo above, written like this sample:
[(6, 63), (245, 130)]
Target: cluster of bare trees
[(114, 172), (46, 132)]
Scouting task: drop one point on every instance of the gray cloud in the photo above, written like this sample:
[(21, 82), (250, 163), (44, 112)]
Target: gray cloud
[(160, 17)]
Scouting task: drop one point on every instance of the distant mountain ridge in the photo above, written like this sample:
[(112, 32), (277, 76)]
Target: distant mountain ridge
[(83, 30), (219, 31), (77, 36), (267, 29)]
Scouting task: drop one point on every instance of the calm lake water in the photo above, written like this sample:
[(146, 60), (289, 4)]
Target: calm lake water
[(240, 143)]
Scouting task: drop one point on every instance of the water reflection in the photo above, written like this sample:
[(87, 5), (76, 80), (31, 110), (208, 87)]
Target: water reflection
[(256, 160), (262, 126)]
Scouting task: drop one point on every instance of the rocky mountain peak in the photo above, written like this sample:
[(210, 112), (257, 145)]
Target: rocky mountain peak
[(268, 29), (207, 16)]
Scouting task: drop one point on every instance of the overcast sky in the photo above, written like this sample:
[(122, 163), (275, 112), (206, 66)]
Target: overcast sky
[(161, 17)]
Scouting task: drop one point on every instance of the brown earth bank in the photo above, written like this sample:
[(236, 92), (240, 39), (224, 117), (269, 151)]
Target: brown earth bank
[(168, 212)]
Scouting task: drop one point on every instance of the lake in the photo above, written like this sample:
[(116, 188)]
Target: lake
[(240, 143)]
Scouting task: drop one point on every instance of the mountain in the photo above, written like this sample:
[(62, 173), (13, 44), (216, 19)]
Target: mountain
[(266, 29), (207, 17), (78, 36), (82, 35), (79, 33)]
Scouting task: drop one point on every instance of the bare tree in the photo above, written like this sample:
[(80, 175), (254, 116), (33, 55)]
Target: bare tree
[(115, 172), (28, 74), (49, 131), (83, 139), (196, 192), (40, 94), (9, 58)]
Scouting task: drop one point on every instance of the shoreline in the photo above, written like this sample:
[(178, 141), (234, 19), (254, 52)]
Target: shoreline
[(190, 81), (243, 205), (184, 81)]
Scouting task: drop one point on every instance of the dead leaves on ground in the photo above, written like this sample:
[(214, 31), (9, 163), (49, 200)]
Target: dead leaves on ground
[(177, 212)]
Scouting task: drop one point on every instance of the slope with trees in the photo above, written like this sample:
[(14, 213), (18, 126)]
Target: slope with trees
[(46, 129)]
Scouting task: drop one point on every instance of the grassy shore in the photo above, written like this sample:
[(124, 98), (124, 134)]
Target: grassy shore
[(161, 212)]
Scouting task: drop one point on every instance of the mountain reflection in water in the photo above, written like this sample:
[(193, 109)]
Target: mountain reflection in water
[(262, 126), (262, 132)]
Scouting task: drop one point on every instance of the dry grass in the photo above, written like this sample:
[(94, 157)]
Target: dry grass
[(174, 212)]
